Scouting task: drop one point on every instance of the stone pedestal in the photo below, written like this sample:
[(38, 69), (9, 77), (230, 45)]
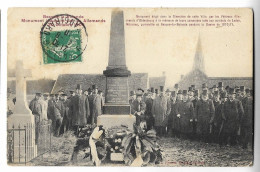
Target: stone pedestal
[(109, 121)]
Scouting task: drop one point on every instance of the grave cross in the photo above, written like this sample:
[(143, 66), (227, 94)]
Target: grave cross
[(21, 106)]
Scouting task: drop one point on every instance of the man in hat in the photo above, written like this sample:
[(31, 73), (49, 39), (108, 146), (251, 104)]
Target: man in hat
[(172, 117), (220, 87), (191, 94), (148, 111), (160, 110), (185, 113), (90, 100), (67, 114), (176, 116), (50, 111), (204, 115), (59, 111), (176, 88), (232, 114), (132, 97), (238, 93), (80, 110), (204, 86), (100, 93), (227, 89), (247, 121), (153, 93), (97, 105), (156, 93), (138, 108), (217, 119), (168, 93), (36, 108)]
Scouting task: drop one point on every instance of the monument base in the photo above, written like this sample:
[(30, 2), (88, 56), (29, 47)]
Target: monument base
[(21, 126), (109, 121)]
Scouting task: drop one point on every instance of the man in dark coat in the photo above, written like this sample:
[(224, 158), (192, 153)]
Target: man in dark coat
[(176, 117), (132, 98), (185, 113), (161, 109), (204, 115), (195, 101), (96, 105), (138, 109), (232, 114), (66, 116), (59, 111), (172, 117), (50, 111), (217, 119), (247, 121), (80, 109), (148, 112), (36, 108)]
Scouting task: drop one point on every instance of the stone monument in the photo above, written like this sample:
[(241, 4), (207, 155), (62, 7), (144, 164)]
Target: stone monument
[(116, 110), (22, 118)]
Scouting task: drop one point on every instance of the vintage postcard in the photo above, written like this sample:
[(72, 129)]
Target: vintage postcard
[(130, 87)]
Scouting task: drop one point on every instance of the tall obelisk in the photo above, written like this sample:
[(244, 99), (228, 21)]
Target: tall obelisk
[(116, 110)]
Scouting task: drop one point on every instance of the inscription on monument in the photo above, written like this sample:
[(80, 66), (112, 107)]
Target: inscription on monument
[(117, 90)]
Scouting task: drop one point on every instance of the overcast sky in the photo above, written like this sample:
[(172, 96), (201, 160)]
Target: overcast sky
[(227, 51)]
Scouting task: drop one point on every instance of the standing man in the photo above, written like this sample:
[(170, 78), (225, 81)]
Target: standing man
[(148, 112), (97, 105), (217, 119), (138, 108), (65, 121), (50, 111), (59, 111), (80, 110), (247, 120), (232, 114), (204, 115), (153, 93), (161, 109), (176, 88), (195, 101), (156, 93), (221, 88), (44, 104), (185, 113), (220, 122), (172, 116), (36, 108)]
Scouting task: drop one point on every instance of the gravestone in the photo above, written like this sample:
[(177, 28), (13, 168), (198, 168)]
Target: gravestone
[(22, 118), (116, 110)]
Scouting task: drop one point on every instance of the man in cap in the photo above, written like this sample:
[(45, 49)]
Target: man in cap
[(44, 104), (247, 121), (232, 114), (50, 111), (238, 93), (220, 87), (204, 115), (36, 108), (138, 108), (148, 112), (160, 110), (97, 105), (80, 110), (195, 101), (185, 113)]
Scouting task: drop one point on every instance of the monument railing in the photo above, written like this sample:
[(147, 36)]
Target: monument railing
[(22, 136)]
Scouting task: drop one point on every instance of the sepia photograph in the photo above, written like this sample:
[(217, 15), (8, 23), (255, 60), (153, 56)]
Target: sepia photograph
[(130, 87)]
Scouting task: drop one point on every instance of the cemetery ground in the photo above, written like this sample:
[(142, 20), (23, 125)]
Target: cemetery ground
[(178, 152)]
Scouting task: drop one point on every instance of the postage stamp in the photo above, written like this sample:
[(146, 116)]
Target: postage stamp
[(63, 39)]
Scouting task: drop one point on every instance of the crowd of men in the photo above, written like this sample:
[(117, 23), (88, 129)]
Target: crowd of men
[(219, 115), (68, 112)]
